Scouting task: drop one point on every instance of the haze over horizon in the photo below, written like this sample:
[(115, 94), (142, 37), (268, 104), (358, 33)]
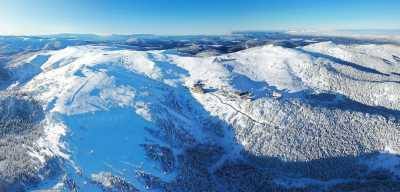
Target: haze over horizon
[(180, 17)]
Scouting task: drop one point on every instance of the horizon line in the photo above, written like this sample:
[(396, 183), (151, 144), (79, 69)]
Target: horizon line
[(205, 34)]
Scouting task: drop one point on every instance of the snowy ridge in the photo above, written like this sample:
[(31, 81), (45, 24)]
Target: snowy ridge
[(295, 128), (98, 97)]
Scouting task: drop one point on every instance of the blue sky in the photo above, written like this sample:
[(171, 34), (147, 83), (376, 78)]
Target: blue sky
[(30, 17)]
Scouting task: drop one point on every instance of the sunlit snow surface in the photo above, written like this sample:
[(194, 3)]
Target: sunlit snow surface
[(120, 115)]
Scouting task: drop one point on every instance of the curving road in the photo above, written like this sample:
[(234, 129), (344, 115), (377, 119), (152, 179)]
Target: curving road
[(238, 110)]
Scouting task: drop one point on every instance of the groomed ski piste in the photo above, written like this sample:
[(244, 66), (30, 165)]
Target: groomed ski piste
[(320, 117)]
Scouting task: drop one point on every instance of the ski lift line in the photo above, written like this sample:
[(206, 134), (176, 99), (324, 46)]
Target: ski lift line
[(237, 110)]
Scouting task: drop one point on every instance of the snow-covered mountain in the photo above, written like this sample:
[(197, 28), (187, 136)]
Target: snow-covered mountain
[(322, 116)]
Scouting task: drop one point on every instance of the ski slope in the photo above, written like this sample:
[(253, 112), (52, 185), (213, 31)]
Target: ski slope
[(338, 105)]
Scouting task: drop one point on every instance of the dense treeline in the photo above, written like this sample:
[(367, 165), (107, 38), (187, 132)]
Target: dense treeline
[(20, 128)]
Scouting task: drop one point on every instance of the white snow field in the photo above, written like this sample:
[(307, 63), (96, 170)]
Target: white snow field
[(321, 116)]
